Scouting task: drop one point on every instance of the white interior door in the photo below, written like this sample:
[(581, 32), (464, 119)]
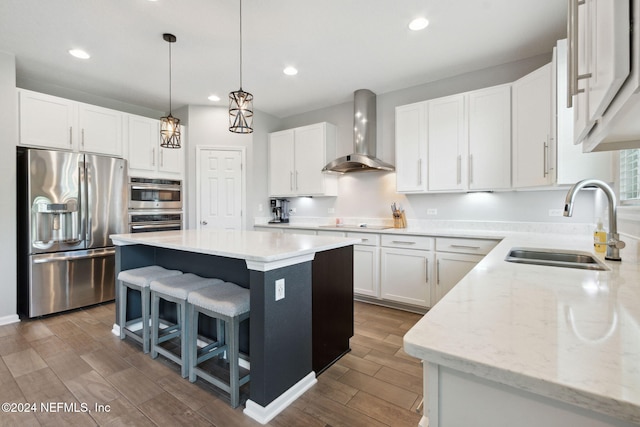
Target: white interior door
[(221, 189)]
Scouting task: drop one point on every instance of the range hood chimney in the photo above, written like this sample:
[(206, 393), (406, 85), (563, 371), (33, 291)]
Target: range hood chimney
[(364, 138)]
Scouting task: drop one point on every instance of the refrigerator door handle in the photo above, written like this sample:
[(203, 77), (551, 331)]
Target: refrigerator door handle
[(82, 217), (70, 256)]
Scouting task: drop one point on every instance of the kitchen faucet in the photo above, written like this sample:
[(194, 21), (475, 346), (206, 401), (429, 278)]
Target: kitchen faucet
[(614, 244)]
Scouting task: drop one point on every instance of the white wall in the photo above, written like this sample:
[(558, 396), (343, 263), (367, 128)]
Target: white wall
[(8, 142), (369, 194), (209, 126)]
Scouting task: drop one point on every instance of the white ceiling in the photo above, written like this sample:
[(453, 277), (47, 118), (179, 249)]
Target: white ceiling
[(337, 45)]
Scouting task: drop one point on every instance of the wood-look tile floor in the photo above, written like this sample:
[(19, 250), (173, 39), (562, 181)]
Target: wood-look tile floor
[(73, 359)]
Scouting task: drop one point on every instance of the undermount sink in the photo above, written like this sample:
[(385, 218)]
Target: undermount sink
[(555, 258)]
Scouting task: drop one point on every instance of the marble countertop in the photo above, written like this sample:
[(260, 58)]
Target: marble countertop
[(256, 246), (568, 334)]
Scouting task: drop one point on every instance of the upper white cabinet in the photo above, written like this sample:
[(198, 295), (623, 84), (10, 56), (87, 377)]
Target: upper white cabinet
[(573, 164), (456, 143), (53, 122), (296, 159), (45, 120), (604, 70), (146, 157), (100, 130), (411, 148), (532, 138), (489, 161), (446, 142)]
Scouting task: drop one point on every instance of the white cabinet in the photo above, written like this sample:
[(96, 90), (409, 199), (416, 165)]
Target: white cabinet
[(604, 44), (411, 148), (456, 143), (455, 257), (46, 121), (573, 164), (489, 161), (446, 142), (296, 159), (533, 141), (366, 264), (100, 130), (53, 122), (146, 157), (406, 263)]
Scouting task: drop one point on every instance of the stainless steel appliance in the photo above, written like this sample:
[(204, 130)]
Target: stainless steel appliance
[(144, 222), (153, 193), (279, 211), (68, 205)]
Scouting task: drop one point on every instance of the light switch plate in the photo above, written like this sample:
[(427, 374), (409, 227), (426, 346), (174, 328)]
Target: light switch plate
[(279, 289), (432, 211)]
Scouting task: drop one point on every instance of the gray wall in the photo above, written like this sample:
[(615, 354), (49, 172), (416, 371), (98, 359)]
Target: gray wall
[(369, 194), (8, 124)]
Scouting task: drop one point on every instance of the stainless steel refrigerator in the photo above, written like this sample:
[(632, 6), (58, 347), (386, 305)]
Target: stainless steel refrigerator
[(68, 205)]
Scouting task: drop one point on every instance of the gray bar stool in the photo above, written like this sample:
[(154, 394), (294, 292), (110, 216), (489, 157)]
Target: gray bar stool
[(174, 289), (138, 279), (225, 302)]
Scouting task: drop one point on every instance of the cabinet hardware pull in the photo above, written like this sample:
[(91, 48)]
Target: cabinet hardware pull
[(70, 135), (82, 137), (426, 261), (153, 157), (291, 181), (464, 246), (470, 168), (545, 153), (296, 180), (459, 170), (437, 272), (161, 157), (400, 242), (572, 57), (419, 171)]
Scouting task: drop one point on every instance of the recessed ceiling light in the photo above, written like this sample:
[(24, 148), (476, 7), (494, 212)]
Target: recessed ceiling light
[(418, 24), (290, 71), (79, 53), (214, 98)]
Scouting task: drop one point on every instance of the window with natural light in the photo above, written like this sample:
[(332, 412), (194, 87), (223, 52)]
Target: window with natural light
[(630, 175)]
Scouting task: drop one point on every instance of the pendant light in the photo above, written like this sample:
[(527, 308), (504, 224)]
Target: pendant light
[(169, 125), (240, 102)]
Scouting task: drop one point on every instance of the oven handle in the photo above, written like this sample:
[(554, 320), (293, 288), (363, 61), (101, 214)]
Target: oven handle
[(165, 225), (156, 187)]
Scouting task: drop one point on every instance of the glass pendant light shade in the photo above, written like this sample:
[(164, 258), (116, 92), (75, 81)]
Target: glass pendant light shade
[(170, 132), (240, 112), (240, 102), (169, 125)]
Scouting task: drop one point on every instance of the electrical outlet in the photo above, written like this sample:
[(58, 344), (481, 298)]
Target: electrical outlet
[(279, 289), (260, 207), (292, 210), (432, 211), (555, 212), (331, 210)]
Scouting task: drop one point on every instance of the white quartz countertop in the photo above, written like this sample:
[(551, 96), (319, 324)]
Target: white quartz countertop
[(257, 246), (568, 334)]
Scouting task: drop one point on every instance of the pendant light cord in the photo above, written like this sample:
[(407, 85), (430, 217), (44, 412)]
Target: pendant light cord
[(170, 78), (240, 44)]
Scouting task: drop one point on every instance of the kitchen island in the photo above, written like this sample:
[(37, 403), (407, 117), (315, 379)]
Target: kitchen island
[(284, 352), (527, 345)]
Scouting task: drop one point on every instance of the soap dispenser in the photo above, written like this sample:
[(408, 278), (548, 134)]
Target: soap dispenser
[(600, 238)]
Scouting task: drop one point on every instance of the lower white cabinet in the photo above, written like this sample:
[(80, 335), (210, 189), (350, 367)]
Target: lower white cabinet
[(455, 257), (406, 265), (366, 264), (450, 268)]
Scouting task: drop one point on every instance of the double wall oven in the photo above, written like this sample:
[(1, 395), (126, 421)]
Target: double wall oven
[(154, 205)]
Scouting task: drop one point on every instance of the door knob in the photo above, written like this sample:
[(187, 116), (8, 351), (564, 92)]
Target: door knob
[(203, 222)]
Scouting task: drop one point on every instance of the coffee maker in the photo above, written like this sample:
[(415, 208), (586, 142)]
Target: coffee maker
[(279, 211)]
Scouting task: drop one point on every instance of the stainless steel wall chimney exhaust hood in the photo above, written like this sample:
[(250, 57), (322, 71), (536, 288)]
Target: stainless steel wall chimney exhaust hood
[(364, 138)]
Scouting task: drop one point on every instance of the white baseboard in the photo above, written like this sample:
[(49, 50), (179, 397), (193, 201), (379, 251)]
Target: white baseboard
[(115, 330), (265, 414), (12, 318)]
